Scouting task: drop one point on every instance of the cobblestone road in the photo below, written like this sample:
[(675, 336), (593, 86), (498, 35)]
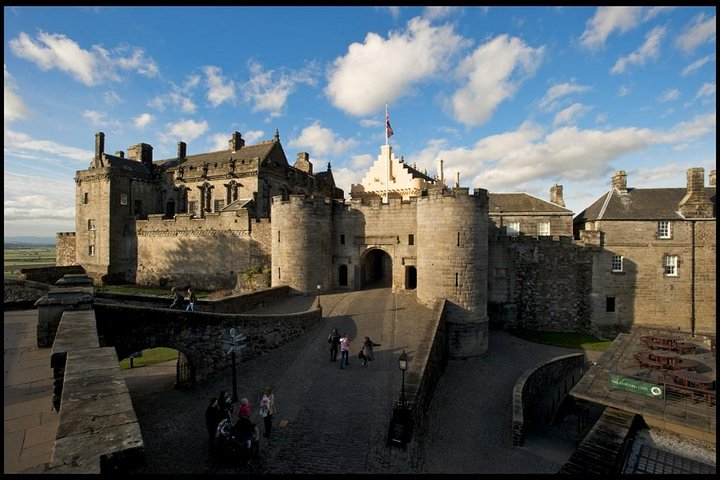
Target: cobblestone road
[(337, 419)]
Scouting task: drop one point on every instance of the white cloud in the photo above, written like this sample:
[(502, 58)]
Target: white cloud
[(570, 114), (697, 65), (517, 160), (220, 90), (700, 30), (219, 141), (185, 131), (707, 90), (91, 67), (21, 144), (142, 120), (14, 106), (269, 92), (370, 123), (39, 199), (624, 90), (607, 20), (321, 141), (112, 98), (647, 51), (669, 95), (493, 73), (379, 71), (179, 96), (437, 13), (557, 91), (252, 136)]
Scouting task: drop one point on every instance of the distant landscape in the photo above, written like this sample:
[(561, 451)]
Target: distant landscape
[(25, 254)]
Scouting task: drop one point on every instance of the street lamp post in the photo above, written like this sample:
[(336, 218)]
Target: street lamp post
[(318, 294), (235, 343), (402, 364)]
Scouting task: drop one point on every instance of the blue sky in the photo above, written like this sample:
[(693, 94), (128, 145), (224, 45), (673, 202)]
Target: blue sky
[(515, 99)]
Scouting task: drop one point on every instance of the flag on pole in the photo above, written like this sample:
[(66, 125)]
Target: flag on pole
[(388, 128)]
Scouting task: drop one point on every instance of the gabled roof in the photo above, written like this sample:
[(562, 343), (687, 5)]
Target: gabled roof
[(417, 173), (521, 203), (135, 166), (262, 150), (638, 204)]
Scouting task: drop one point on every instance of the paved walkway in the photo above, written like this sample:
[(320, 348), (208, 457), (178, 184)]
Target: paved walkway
[(334, 420)]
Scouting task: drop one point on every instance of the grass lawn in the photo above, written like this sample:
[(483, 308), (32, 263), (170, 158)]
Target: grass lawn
[(580, 341), (151, 356)]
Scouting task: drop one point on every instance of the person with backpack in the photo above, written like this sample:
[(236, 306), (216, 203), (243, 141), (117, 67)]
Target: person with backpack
[(334, 341)]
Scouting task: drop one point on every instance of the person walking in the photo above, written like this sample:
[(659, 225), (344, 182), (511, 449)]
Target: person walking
[(177, 298), (267, 409), (334, 341), (367, 351), (344, 350), (213, 415), (225, 403), (191, 300)]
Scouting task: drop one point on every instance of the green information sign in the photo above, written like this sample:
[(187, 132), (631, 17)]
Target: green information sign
[(637, 386)]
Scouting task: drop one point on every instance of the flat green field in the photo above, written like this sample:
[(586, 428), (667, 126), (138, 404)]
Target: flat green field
[(27, 257)]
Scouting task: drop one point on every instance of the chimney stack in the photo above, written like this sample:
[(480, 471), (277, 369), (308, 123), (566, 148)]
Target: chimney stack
[(99, 145), (619, 181), (182, 149), (236, 142), (712, 178), (142, 152), (695, 203), (302, 162), (556, 195)]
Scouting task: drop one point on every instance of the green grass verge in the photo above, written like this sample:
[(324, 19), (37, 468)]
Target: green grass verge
[(150, 356), (580, 341)]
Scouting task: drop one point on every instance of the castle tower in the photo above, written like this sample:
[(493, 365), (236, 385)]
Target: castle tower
[(301, 238), (452, 259)]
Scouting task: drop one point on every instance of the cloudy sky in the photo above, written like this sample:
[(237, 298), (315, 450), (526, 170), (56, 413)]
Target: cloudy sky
[(515, 99)]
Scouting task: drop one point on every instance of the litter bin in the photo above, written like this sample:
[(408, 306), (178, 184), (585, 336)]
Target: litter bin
[(400, 427)]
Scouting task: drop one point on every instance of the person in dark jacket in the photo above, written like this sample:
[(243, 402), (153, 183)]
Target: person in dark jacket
[(334, 341), (367, 351), (213, 415), (177, 298)]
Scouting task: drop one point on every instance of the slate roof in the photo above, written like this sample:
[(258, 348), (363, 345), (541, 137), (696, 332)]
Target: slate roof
[(639, 204), (417, 173), (260, 150), (521, 203), (135, 166)]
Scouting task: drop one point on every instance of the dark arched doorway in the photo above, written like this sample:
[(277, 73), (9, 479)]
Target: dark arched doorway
[(376, 269), (343, 276), (410, 277)]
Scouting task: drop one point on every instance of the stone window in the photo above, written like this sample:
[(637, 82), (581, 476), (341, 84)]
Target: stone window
[(342, 239), (123, 199), (411, 239), (543, 229), (91, 224), (670, 264), (512, 229), (86, 198), (617, 263), (219, 205), (91, 250), (664, 229), (192, 207), (610, 304)]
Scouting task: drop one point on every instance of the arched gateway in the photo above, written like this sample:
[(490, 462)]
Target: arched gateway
[(375, 269)]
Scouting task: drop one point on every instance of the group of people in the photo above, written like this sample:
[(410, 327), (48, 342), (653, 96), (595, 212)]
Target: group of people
[(178, 299), (342, 343), (219, 417)]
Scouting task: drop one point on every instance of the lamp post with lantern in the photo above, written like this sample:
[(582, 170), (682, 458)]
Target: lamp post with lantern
[(318, 295), (402, 364)]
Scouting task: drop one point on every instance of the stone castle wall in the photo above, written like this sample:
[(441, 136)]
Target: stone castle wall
[(452, 255), (207, 253), (301, 242), (540, 283), (65, 249), (644, 295)]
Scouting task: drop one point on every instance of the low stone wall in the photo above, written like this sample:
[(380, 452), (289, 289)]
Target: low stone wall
[(98, 431), (431, 361), (49, 275), (22, 294), (561, 373)]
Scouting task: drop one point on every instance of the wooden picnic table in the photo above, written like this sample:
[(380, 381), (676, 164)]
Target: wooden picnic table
[(668, 358), (695, 379)]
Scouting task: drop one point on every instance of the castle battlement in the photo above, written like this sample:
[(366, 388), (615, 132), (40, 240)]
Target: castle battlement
[(230, 220), (65, 234)]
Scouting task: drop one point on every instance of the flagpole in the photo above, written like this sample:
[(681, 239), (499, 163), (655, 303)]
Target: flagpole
[(387, 158)]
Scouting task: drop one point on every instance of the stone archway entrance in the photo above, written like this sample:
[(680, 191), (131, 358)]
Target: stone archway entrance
[(343, 276), (376, 269)]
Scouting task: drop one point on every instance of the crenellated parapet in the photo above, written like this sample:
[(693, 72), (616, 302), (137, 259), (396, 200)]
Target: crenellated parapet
[(219, 223)]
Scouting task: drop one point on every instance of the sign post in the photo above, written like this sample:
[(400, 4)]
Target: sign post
[(235, 343)]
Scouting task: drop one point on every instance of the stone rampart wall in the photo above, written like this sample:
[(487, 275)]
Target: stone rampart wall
[(65, 249), (532, 384)]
